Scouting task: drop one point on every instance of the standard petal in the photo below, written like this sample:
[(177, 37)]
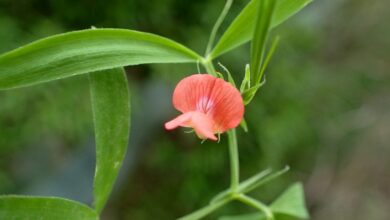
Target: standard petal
[(228, 106), (192, 93)]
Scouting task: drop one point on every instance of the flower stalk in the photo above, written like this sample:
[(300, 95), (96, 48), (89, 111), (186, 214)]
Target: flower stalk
[(234, 160)]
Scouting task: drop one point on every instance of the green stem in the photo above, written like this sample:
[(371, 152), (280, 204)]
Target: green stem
[(234, 161), (216, 26), (206, 210), (257, 205), (208, 65)]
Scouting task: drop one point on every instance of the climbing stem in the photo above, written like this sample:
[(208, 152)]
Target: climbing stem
[(200, 213), (208, 65), (234, 161), (216, 26), (257, 205)]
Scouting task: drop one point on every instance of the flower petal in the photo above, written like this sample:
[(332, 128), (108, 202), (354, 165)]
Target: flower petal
[(191, 93), (181, 120), (211, 96), (228, 106), (203, 126)]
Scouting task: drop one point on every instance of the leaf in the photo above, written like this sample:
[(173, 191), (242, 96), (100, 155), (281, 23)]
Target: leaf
[(259, 179), (85, 51), (268, 57), (43, 208), (241, 29), (244, 186), (111, 114), (291, 202), (289, 206), (260, 35)]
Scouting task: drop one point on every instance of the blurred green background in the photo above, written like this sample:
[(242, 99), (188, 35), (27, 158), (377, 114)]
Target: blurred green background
[(323, 111)]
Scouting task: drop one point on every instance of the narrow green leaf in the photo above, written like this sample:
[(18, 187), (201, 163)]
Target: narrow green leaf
[(268, 57), (87, 51), (241, 29), (265, 10), (291, 202), (243, 187), (111, 114), (253, 182), (43, 208)]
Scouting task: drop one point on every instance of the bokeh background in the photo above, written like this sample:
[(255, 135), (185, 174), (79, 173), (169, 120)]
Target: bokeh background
[(324, 111)]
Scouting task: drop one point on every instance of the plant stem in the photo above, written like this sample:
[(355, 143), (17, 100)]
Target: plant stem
[(234, 161), (208, 65), (206, 210), (216, 26), (256, 204)]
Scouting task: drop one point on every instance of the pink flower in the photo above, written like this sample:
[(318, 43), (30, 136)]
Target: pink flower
[(208, 104)]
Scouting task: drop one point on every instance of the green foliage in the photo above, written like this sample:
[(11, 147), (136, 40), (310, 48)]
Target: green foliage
[(291, 202), (81, 52), (246, 82), (43, 208), (111, 114), (242, 28), (265, 10), (290, 205), (102, 53)]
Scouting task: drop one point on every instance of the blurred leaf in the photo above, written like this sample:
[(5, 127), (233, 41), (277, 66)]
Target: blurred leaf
[(43, 208), (291, 202), (288, 206), (111, 111), (259, 179), (86, 51), (250, 216), (241, 29), (245, 185), (265, 10), (268, 57)]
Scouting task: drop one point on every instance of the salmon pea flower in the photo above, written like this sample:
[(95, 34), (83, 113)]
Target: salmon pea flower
[(208, 104)]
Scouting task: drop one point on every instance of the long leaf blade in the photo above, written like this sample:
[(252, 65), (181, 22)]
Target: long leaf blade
[(111, 111), (43, 208), (241, 29), (87, 51), (260, 35)]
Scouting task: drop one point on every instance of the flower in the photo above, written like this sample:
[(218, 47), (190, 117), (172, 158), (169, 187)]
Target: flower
[(208, 104)]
